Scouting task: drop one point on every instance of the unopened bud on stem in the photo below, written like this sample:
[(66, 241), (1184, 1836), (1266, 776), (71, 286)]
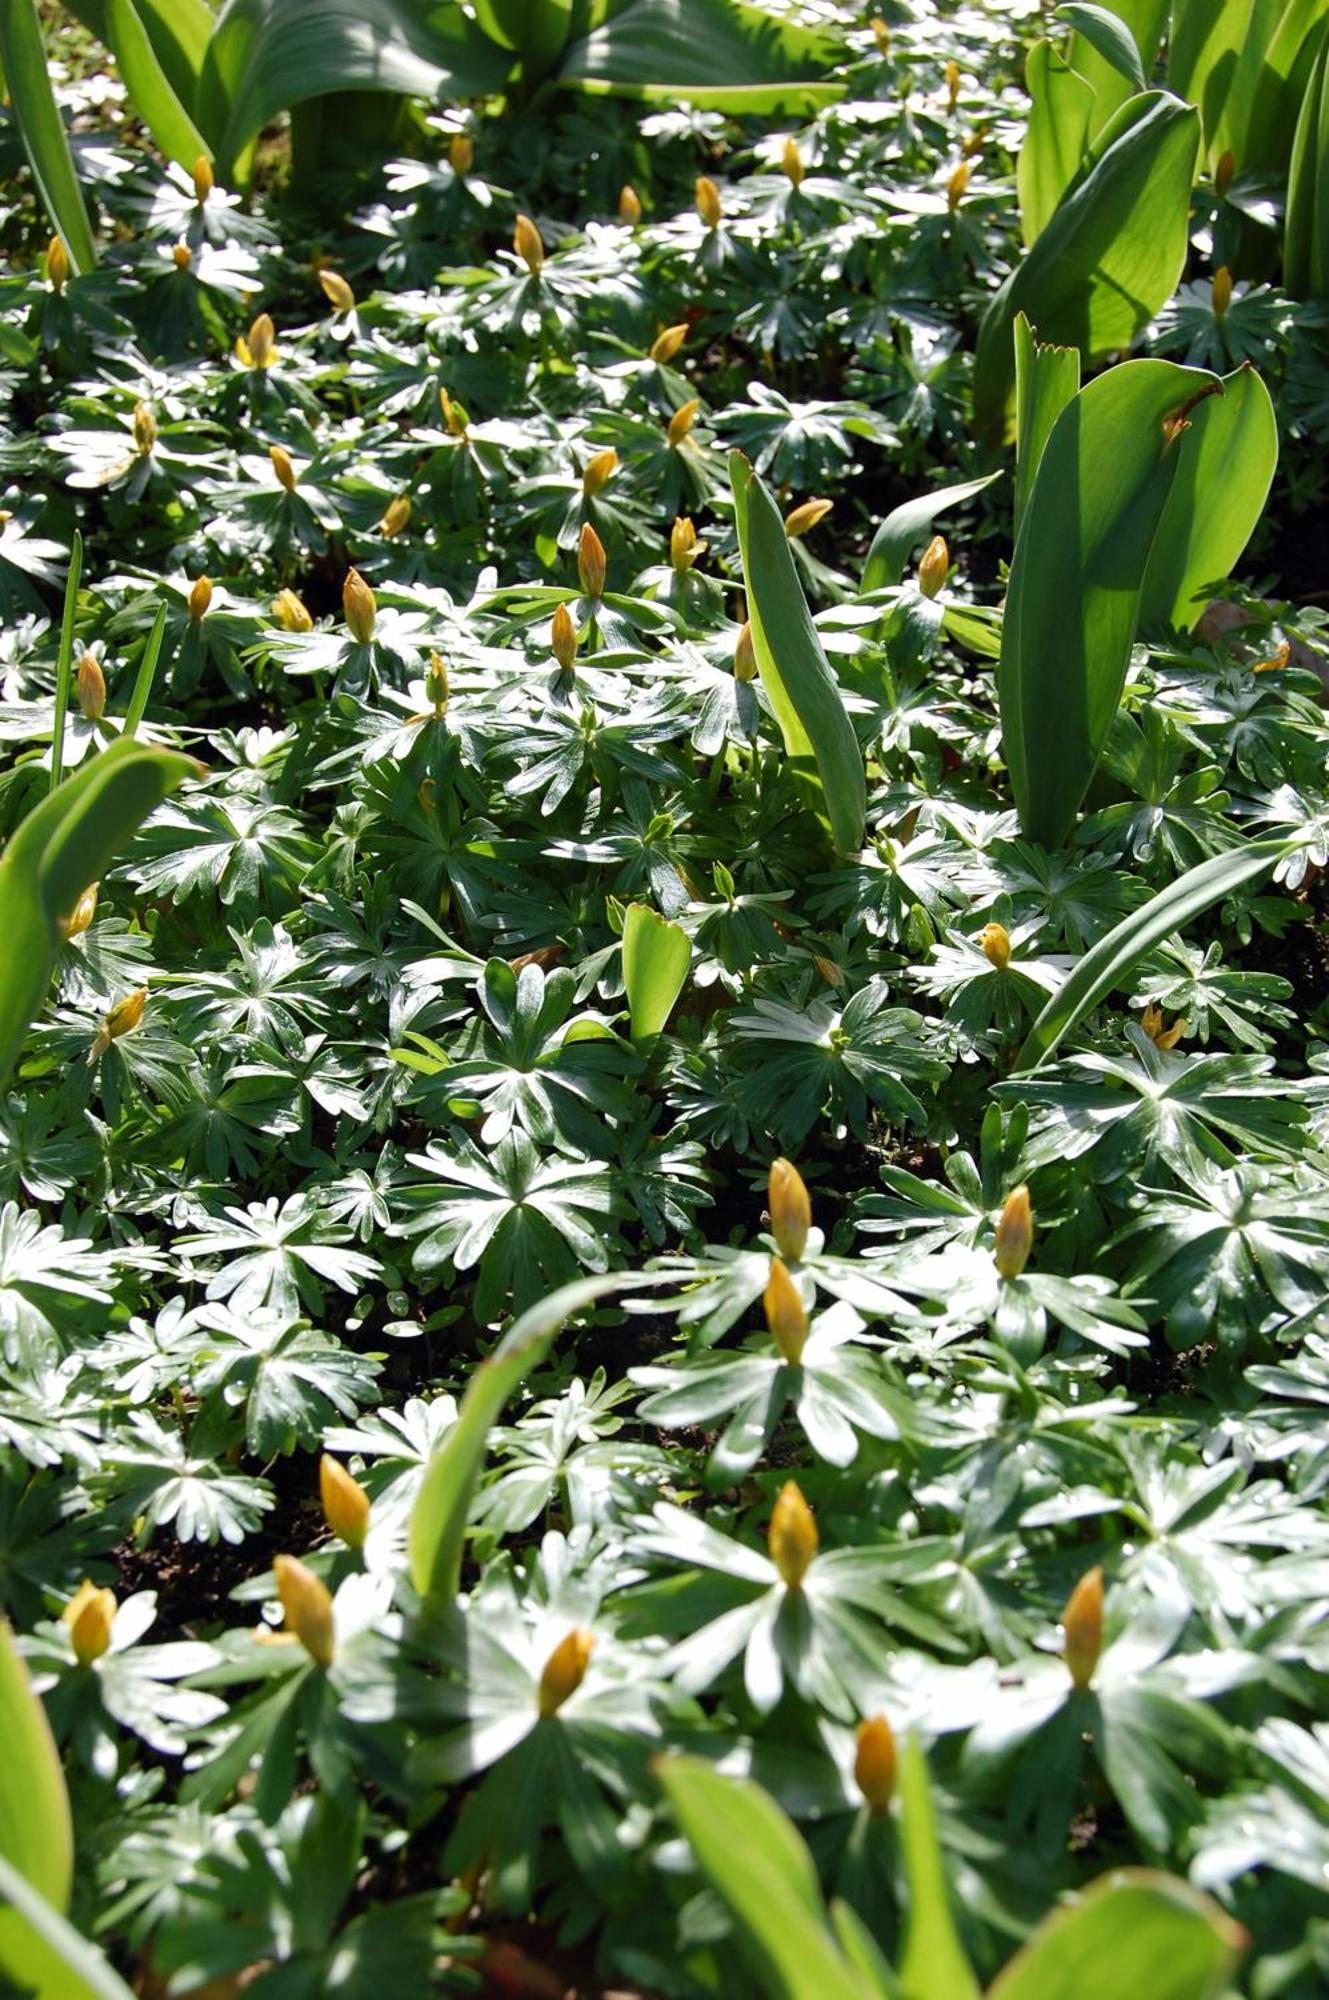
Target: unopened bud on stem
[(875, 1762), (790, 1209), (786, 1315), (565, 1669), (308, 1607), (58, 266), (666, 345), (995, 940), (629, 206), (337, 291), (599, 471), (792, 1540), (360, 607), (709, 206), (89, 1614), (200, 597), (1082, 1624), (745, 654), (90, 686), (934, 566), (592, 563), (563, 637), (345, 1502), (203, 178), (1015, 1233), (529, 245)]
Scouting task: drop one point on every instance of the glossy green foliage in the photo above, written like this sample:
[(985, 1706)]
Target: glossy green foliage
[(656, 956), (907, 525), (1046, 378), (727, 55), (1061, 110), (41, 128), (1146, 20), (1306, 239), (35, 1833), (150, 87)]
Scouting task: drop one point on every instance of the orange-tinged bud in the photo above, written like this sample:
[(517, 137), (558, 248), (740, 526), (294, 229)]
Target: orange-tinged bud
[(397, 516), (882, 34), (183, 256), (786, 1315), (802, 519), (123, 1018), (666, 344), (833, 974), (89, 1614), (791, 161), (461, 154), (745, 654), (565, 1669), (200, 597), (282, 466), (360, 607), (203, 178), (1082, 1624), (956, 184), (995, 940), (599, 471), (260, 344), (1015, 1233), (952, 83), (709, 206), (934, 566), (1221, 291), (82, 914), (345, 1502), (307, 1603), (592, 563), (1224, 173), (528, 244), (454, 416), (682, 421), (58, 266), (875, 1761), (684, 545), (563, 637), (436, 684), (793, 1540), (426, 795), (90, 685), (629, 206), (790, 1209), (145, 426), (1152, 1023), (291, 613), (337, 291)]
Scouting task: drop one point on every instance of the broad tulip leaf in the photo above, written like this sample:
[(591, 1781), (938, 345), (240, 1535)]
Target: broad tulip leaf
[(725, 55), (934, 1960), (1225, 468), (1061, 108), (36, 1837), (1205, 38), (1080, 560), (907, 525), (41, 128), (758, 1864), (1109, 36), (1306, 238), (1283, 68), (1110, 256), (179, 30), (535, 30), (656, 957), (146, 81), (1130, 1933), (65, 843), (1145, 19), (1046, 378), (1112, 961), (818, 736)]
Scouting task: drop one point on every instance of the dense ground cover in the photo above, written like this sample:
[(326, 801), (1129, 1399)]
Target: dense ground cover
[(1018, 1443)]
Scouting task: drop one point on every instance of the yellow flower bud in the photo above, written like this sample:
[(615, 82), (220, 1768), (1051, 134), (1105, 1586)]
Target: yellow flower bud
[(563, 637), (461, 154), (996, 942), (666, 344), (426, 795), (791, 161), (200, 597), (123, 1018), (1015, 1233), (258, 348), (565, 1669), (592, 563), (82, 914), (436, 684), (1082, 1625), (1221, 291), (875, 1762), (786, 1315), (833, 974), (934, 567), (337, 291), (345, 1502), (89, 1615), (793, 1540), (282, 466), (145, 426), (290, 612), (952, 83), (183, 256), (58, 266), (529, 246), (745, 654), (682, 421), (790, 1209), (360, 607), (684, 545), (454, 416), (882, 34), (802, 519), (306, 1601), (709, 206), (397, 516), (599, 471), (1152, 1023), (1224, 173), (956, 185), (629, 206), (90, 686), (203, 178)]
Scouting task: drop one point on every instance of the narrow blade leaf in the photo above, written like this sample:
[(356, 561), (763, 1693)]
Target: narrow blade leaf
[(41, 128)]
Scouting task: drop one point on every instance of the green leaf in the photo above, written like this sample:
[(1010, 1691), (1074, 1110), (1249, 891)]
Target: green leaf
[(1306, 237), (724, 55), (1205, 38), (64, 664), (1278, 89), (934, 1961), (818, 736), (1108, 35), (1112, 961), (656, 957), (66, 843), (1061, 107), (1130, 1933), (1111, 254), (1073, 594), (41, 128), (36, 1837), (54, 1962), (439, 1516), (146, 81), (535, 30), (907, 525), (1046, 379), (1145, 19), (1225, 468), (758, 1864), (179, 30)]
